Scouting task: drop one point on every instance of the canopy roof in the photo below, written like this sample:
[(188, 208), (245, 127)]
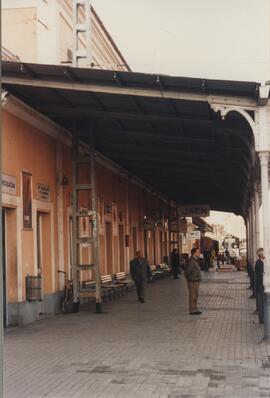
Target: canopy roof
[(160, 128)]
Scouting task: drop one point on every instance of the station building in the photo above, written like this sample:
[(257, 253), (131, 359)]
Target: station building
[(37, 175), (152, 137)]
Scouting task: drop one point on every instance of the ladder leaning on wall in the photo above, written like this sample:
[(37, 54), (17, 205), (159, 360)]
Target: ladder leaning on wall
[(82, 32), (84, 207)]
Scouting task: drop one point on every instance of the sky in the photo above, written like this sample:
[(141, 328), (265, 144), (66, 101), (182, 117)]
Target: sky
[(226, 39), (216, 39), (233, 224)]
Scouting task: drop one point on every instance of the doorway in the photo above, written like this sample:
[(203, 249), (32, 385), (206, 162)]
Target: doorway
[(161, 246), (44, 251), (70, 237), (109, 254), (145, 239), (121, 247), (4, 259), (134, 240), (39, 244), (154, 246)]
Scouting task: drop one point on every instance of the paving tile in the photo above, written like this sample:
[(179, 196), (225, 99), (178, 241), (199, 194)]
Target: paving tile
[(152, 350)]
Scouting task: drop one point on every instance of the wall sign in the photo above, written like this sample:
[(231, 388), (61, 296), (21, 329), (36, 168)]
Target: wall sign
[(8, 184), (43, 192), (194, 211), (27, 199), (194, 235)]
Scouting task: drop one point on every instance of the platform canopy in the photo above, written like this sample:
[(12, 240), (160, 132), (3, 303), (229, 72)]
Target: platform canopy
[(159, 128)]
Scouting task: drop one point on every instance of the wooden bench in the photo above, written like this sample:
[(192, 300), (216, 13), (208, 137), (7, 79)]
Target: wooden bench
[(124, 278), (156, 273), (108, 284), (165, 269), (87, 289)]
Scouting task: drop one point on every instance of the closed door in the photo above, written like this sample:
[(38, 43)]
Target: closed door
[(4, 267)]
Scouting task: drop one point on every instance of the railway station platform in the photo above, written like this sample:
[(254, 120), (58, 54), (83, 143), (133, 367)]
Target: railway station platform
[(152, 350)]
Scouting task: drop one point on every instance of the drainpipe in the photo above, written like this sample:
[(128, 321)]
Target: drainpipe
[(4, 96)]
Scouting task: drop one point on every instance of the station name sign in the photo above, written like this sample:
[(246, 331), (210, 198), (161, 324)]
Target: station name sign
[(8, 184), (194, 211)]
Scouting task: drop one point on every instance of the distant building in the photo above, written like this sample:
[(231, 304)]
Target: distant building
[(42, 32), (7, 55)]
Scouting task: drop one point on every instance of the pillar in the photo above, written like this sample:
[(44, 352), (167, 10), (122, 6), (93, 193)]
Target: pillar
[(250, 236), (254, 236), (264, 160), (257, 221), (247, 238)]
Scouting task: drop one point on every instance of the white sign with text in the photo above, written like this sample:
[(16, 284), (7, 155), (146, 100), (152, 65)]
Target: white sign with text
[(194, 235), (8, 184)]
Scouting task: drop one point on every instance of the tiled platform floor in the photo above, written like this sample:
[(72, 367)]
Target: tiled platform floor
[(154, 349)]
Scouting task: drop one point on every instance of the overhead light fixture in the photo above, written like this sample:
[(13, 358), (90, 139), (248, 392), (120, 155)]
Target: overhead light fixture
[(64, 181)]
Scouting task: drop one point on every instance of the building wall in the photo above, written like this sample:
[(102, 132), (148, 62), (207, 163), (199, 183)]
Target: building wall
[(42, 32), (34, 145), (19, 32)]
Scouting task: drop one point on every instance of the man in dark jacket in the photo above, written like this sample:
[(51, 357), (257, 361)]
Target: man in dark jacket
[(207, 258), (175, 263), (139, 270), (259, 271), (193, 276)]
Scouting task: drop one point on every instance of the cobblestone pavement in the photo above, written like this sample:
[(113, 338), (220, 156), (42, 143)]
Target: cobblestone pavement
[(152, 350)]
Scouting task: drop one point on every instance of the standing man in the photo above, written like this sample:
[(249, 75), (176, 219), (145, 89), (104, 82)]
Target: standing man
[(227, 255), (259, 271), (207, 258), (175, 263), (193, 276), (139, 270)]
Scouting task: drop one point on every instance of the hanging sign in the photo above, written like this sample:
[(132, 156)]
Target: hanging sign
[(156, 217), (8, 184), (43, 192), (174, 226), (148, 224), (195, 235), (27, 199), (194, 211)]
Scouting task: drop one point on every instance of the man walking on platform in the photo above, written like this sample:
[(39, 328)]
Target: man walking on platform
[(139, 270), (193, 276)]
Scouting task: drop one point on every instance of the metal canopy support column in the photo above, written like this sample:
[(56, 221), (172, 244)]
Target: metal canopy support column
[(89, 213), (264, 161), (173, 228), (179, 236), (74, 222)]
